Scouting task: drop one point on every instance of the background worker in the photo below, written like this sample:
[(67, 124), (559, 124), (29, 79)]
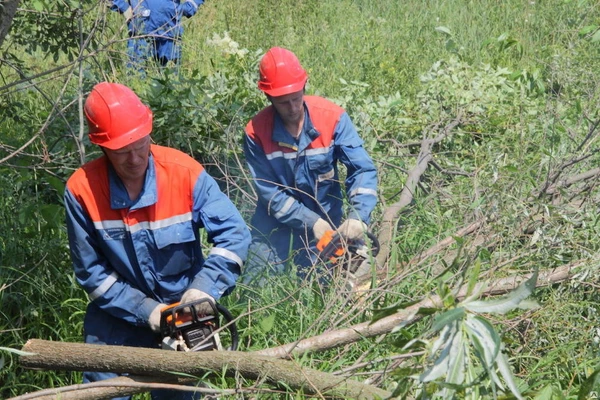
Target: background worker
[(133, 218), (293, 148), (155, 28)]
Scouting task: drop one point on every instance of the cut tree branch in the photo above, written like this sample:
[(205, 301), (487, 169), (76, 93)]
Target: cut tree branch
[(390, 214), (408, 315)]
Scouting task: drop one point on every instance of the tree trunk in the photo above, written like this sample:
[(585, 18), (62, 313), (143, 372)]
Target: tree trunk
[(156, 362), (8, 9)]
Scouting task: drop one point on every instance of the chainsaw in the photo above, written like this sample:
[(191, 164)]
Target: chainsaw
[(183, 328), (353, 255)]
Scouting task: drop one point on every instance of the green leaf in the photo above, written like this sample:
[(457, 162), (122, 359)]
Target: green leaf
[(549, 392), (51, 213), (447, 318), (507, 375), (485, 339), (588, 385), (507, 303), (473, 277), (456, 362), (595, 37), (443, 29), (443, 343), (587, 29), (266, 324), (57, 184), (385, 312), (427, 310), (439, 368), (38, 5)]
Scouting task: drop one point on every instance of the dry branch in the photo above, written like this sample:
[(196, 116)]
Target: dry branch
[(107, 389), (390, 214), (161, 363)]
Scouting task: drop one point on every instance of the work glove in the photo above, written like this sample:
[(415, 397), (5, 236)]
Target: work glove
[(194, 295), (320, 227), (154, 319), (128, 14), (353, 229)]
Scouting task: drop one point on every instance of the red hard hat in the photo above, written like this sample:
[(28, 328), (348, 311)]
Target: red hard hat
[(116, 116), (281, 73)]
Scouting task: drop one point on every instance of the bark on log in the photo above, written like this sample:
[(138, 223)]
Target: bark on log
[(156, 362)]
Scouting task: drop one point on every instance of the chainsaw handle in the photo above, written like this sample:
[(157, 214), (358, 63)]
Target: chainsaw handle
[(231, 326), (325, 239), (375, 247), (330, 244)]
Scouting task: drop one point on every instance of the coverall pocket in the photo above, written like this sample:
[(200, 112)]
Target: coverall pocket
[(177, 249), (175, 234), (321, 165)]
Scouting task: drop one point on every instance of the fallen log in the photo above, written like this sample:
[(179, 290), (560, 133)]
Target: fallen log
[(168, 364)]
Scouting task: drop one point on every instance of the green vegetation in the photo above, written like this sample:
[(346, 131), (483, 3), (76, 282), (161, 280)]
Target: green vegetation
[(519, 79)]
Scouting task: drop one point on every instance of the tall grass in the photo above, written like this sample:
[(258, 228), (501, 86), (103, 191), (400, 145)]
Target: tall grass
[(389, 44)]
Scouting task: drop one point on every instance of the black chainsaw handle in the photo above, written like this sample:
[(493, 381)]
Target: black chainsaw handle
[(375, 247), (231, 327)]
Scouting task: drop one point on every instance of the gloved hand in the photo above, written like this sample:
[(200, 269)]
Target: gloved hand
[(195, 294), (320, 227), (154, 319), (353, 229), (128, 14)]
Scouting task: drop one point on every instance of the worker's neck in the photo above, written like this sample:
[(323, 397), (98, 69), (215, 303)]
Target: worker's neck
[(295, 128)]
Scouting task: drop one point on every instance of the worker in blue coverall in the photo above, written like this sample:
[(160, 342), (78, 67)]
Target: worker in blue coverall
[(293, 148), (155, 29), (133, 219)]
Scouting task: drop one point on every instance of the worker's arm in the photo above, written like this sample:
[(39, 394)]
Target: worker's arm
[(104, 286), (361, 177), (228, 233), (122, 7), (188, 8), (281, 204)]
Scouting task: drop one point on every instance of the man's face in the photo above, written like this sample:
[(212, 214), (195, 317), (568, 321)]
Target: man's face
[(290, 107), (130, 162)]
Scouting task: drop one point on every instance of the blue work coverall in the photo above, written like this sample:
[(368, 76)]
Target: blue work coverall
[(155, 29), (132, 255), (298, 181)]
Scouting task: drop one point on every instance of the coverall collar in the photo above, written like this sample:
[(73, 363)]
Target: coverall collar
[(119, 198), (307, 134)]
